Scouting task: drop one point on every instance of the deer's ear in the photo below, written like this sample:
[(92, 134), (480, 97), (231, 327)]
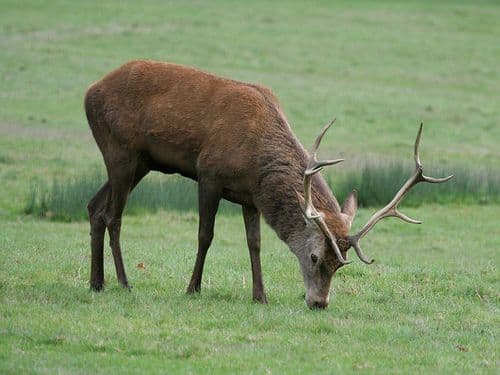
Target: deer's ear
[(350, 206)]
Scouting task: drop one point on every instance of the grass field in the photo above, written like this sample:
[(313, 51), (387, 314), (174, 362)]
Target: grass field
[(429, 304)]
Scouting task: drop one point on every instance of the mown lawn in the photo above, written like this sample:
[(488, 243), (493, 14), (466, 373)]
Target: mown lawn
[(429, 304)]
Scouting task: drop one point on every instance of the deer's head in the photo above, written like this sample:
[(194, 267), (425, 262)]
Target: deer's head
[(324, 247)]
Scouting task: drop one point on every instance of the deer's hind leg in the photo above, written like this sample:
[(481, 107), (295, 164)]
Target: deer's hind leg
[(106, 209), (124, 174), (96, 208)]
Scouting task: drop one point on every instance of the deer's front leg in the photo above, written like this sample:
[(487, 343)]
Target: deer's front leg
[(251, 216), (209, 195)]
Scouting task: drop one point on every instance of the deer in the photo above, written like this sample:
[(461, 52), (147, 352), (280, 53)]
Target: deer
[(234, 139)]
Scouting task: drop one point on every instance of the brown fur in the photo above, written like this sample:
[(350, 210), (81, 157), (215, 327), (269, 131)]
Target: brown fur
[(231, 137)]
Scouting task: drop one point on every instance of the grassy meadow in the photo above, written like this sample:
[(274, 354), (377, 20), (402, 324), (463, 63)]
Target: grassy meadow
[(429, 304)]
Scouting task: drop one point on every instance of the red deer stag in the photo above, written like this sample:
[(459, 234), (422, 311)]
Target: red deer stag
[(234, 139)]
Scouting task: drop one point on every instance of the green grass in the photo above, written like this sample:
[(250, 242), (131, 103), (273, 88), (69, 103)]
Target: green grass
[(430, 303), (66, 200), (380, 67), (376, 183)]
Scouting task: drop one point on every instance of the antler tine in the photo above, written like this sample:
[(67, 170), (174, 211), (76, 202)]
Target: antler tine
[(360, 254), (391, 209), (407, 218), (433, 180), (320, 136), (418, 164), (314, 166)]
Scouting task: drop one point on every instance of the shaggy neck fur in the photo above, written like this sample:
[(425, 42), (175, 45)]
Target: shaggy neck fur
[(281, 171)]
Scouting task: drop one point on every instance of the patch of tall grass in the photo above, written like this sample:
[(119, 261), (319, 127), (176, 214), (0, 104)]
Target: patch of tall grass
[(67, 199), (376, 183)]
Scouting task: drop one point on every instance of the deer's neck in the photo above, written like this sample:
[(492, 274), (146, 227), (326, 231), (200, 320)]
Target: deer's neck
[(280, 175)]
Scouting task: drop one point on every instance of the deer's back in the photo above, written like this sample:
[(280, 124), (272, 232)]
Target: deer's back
[(184, 119)]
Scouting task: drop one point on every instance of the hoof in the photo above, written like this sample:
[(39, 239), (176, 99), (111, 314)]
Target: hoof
[(260, 299), (193, 289), (96, 287)]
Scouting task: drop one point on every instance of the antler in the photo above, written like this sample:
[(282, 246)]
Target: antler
[(392, 208), (314, 166)]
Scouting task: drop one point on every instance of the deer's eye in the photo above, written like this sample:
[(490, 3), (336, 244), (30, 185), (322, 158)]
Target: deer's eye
[(314, 258)]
